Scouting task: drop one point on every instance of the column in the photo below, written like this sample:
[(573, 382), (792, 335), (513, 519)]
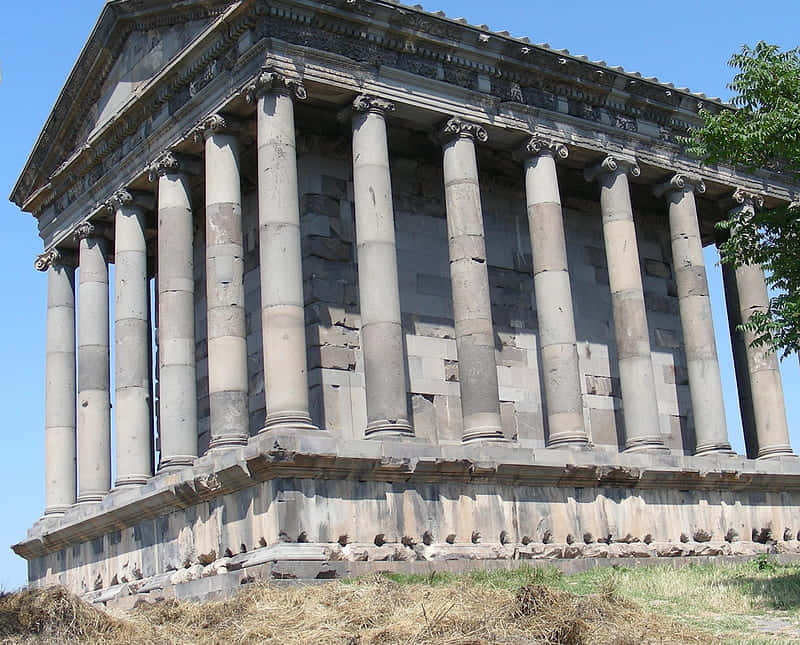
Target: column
[(559, 349), (637, 381), (227, 338), (472, 309), (131, 343), (94, 405), (176, 334), (60, 463), (379, 291), (283, 324), (766, 388), (705, 382)]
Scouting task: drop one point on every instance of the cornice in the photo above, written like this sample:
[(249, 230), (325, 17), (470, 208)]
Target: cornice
[(116, 22), (420, 47)]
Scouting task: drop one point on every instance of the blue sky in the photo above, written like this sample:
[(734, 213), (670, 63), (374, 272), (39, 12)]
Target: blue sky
[(685, 42)]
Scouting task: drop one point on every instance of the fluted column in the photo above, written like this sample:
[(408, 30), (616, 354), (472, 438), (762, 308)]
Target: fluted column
[(559, 349), (472, 308), (94, 405), (766, 388), (60, 481), (132, 409), (379, 291), (282, 307), (227, 338), (637, 381), (705, 382), (177, 379)]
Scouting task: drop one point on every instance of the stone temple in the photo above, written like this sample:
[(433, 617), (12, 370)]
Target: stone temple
[(387, 290)]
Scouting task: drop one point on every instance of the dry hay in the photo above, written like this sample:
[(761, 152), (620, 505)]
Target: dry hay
[(373, 611), (56, 616)]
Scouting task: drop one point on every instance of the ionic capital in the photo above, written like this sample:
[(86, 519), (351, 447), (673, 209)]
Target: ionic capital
[(610, 165), (680, 183), (215, 124), (370, 103), (742, 199), (124, 198), (269, 80), (458, 127), (172, 162), (84, 231), (540, 144), (47, 259)]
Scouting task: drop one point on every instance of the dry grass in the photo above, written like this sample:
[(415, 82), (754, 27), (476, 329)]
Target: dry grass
[(372, 611)]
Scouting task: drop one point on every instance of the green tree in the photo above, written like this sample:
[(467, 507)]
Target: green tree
[(763, 132)]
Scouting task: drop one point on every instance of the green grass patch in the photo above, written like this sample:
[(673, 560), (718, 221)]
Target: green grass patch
[(751, 603)]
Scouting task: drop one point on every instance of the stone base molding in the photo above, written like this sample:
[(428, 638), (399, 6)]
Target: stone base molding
[(296, 491)]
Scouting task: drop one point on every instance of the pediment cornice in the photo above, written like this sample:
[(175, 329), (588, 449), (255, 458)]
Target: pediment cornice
[(58, 139), (506, 73)]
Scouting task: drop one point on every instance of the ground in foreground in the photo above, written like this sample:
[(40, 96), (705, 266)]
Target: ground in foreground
[(746, 604)]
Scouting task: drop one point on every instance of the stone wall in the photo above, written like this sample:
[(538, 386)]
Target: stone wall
[(336, 374)]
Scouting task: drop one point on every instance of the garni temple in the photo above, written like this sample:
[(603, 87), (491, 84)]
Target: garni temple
[(340, 286)]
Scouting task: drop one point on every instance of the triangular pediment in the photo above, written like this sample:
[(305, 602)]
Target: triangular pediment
[(133, 41)]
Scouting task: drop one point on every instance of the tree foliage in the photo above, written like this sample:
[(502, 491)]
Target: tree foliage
[(763, 132)]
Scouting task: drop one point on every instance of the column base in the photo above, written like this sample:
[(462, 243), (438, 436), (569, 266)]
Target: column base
[(646, 444), (568, 439), (177, 462), (90, 498), (228, 441), (131, 480), (55, 511), (385, 427), (486, 433), (772, 452), (714, 449), (288, 420)]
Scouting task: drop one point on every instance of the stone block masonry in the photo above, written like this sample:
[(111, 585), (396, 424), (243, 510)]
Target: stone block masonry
[(394, 322)]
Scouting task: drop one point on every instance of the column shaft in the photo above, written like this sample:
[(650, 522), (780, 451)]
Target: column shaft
[(227, 344), (769, 409), (132, 382), (281, 270), (637, 380), (472, 309), (559, 350), (379, 291), (705, 381), (176, 334), (739, 348), (60, 489), (94, 406)]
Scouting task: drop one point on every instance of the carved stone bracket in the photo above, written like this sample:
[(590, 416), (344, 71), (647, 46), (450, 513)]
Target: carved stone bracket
[(458, 127), (370, 103), (680, 182), (271, 81), (172, 162), (539, 144), (612, 164)]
